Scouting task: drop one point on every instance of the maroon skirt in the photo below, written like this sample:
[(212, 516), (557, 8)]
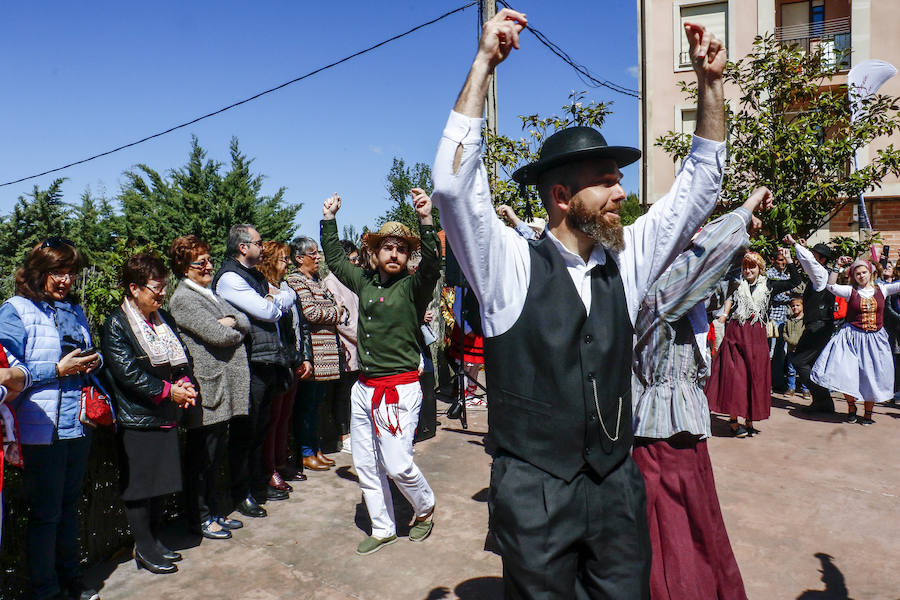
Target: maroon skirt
[(692, 556), (740, 382)]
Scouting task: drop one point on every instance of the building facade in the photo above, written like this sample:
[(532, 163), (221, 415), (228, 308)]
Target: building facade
[(866, 27)]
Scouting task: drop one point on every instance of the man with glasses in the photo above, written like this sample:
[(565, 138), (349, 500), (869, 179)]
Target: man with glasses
[(242, 285)]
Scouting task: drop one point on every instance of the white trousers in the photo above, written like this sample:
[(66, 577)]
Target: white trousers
[(377, 457)]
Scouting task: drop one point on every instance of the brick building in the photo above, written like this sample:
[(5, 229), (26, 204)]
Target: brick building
[(866, 27)]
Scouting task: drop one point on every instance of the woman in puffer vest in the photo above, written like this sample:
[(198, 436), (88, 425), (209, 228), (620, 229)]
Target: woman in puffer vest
[(46, 330)]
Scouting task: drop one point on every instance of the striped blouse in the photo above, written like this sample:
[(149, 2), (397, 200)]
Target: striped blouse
[(671, 361)]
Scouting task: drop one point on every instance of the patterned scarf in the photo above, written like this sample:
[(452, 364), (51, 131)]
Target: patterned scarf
[(751, 306), (157, 340)]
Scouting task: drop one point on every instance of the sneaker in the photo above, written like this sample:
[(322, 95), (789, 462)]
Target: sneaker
[(739, 432), (373, 544), (421, 528), (866, 421), (851, 417)]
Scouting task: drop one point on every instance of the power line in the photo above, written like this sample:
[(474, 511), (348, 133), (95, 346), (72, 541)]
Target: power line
[(246, 100), (584, 73)]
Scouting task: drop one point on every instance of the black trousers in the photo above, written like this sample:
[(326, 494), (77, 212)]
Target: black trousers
[(248, 436), (814, 339), (588, 538), (205, 453)]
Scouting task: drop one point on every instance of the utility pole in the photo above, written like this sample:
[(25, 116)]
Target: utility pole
[(486, 11)]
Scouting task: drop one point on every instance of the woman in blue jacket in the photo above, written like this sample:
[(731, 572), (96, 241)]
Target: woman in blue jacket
[(47, 331)]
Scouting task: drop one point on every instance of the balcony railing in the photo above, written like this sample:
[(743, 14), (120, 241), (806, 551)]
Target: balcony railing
[(832, 36)]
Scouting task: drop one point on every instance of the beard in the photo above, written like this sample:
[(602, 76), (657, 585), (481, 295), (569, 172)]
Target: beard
[(594, 225)]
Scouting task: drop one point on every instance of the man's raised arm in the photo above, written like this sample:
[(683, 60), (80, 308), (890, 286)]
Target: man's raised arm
[(493, 258), (655, 239)]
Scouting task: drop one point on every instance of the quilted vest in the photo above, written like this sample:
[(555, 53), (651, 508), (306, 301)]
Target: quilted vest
[(48, 410)]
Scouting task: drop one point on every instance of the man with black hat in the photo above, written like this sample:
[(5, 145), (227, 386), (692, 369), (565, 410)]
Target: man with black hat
[(567, 501), (818, 320)]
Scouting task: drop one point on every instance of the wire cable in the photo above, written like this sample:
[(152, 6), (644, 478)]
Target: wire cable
[(584, 73), (244, 101)]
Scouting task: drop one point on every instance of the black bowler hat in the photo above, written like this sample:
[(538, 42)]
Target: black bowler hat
[(572, 144), (824, 250)]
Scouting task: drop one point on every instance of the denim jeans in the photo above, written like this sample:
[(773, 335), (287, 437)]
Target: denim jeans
[(792, 374), (306, 415), (53, 476)]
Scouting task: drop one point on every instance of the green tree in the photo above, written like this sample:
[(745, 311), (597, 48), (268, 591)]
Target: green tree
[(240, 197), (197, 198), (94, 226), (631, 209), (400, 180), (35, 217), (510, 154), (790, 130)]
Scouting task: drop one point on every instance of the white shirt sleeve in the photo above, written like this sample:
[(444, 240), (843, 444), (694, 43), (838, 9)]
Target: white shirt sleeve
[(285, 298), (889, 289), (818, 275), (236, 291), (655, 239), (493, 257), (842, 291)]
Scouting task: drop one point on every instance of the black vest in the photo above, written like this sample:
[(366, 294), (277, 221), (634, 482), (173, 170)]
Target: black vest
[(263, 344), (543, 373), (818, 307)]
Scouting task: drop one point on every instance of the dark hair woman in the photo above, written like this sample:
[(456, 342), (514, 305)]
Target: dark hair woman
[(149, 377), (213, 332), (47, 332), (295, 336)]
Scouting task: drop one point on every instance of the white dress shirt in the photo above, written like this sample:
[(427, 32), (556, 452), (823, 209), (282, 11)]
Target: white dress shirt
[(818, 275), (235, 290), (496, 260)]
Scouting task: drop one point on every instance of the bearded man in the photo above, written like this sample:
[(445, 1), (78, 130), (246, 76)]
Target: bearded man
[(567, 501), (385, 402)]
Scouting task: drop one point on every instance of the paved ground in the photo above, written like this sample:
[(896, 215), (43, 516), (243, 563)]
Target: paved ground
[(811, 506)]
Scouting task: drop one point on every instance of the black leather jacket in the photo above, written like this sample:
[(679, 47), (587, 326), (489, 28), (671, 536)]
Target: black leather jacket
[(132, 380)]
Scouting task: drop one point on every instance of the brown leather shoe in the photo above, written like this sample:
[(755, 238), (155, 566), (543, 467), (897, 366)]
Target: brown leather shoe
[(279, 484), (324, 459), (313, 463)]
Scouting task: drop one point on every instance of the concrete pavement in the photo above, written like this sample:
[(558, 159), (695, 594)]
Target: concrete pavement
[(811, 506)]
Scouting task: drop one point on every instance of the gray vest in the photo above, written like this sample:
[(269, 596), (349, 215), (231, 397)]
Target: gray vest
[(548, 374)]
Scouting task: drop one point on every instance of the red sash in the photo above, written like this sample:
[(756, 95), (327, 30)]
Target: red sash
[(386, 389)]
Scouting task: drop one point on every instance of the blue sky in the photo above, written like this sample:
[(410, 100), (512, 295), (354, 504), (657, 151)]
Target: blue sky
[(83, 77)]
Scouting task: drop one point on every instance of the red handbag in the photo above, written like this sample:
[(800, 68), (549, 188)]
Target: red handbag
[(96, 408)]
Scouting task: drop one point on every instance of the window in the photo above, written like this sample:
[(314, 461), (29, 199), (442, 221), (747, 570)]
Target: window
[(688, 120), (713, 16)]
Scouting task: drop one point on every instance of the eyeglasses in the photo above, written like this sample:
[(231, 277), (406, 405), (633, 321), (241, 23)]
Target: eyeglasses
[(158, 291), (56, 242), (355, 260), (258, 243), (202, 263), (312, 254), (57, 276)]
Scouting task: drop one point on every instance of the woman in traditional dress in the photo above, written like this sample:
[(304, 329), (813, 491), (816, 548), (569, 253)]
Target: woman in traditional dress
[(740, 382), (857, 361)]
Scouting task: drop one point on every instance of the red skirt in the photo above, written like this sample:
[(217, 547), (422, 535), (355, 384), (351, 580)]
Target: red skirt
[(473, 347), (692, 556), (740, 382)]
